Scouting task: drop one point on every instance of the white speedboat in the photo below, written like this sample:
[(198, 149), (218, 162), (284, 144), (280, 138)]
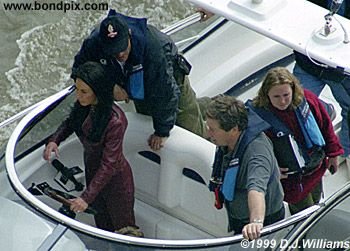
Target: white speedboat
[(174, 207)]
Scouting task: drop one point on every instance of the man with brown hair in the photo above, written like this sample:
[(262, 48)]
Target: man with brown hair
[(245, 171)]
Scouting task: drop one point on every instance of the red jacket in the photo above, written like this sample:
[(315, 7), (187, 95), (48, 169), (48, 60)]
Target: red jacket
[(296, 187), (108, 174)]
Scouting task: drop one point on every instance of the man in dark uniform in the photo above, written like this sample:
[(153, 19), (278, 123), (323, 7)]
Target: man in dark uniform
[(314, 76), (147, 68)]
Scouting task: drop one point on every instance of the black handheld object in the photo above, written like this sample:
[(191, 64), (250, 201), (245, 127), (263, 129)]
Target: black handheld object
[(67, 174), (63, 198), (332, 169)]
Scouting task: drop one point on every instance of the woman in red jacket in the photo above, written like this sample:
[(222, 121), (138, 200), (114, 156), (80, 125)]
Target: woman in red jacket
[(100, 126), (283, 103)]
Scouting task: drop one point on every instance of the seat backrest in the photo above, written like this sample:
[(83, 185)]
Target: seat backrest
[(176, 177)]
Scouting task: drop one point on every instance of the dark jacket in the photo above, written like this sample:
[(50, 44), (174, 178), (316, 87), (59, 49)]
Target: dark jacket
[(307, 65), (327, 4), (157, 53)]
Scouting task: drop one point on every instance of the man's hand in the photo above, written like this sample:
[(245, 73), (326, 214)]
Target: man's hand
[(156, 142), (252, 230), (120, 94), (256, 205), (205, 15)]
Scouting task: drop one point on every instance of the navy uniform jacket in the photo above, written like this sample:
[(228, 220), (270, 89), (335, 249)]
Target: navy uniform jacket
[(156, 52), (327, 3), (318, 71)]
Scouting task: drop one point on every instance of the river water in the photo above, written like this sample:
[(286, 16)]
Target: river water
[(37, 47)]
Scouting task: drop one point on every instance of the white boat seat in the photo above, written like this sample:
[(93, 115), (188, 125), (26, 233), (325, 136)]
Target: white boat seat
[(175, 178)]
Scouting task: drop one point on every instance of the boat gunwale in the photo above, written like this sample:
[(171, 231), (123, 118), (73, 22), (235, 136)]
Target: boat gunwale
[(35, 203)]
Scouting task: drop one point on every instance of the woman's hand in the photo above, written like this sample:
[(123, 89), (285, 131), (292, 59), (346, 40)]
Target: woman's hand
[(50, 147), (333, 165), (283, 172), (78, 205)]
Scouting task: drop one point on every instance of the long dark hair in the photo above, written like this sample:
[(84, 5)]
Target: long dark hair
[(94, 75)]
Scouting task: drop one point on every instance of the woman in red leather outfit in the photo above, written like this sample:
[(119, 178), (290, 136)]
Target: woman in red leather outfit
[(100, 126)]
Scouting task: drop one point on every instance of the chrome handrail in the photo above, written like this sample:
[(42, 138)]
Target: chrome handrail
[(24, 112), (182, 24), (18, 116)]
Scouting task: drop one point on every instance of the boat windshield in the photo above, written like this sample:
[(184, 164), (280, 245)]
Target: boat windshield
[(191, 31)]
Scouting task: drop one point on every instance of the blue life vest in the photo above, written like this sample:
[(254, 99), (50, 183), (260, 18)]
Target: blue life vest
[(135, 82), (310, 130), (135, 86), (309, 127), (226, 178)]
